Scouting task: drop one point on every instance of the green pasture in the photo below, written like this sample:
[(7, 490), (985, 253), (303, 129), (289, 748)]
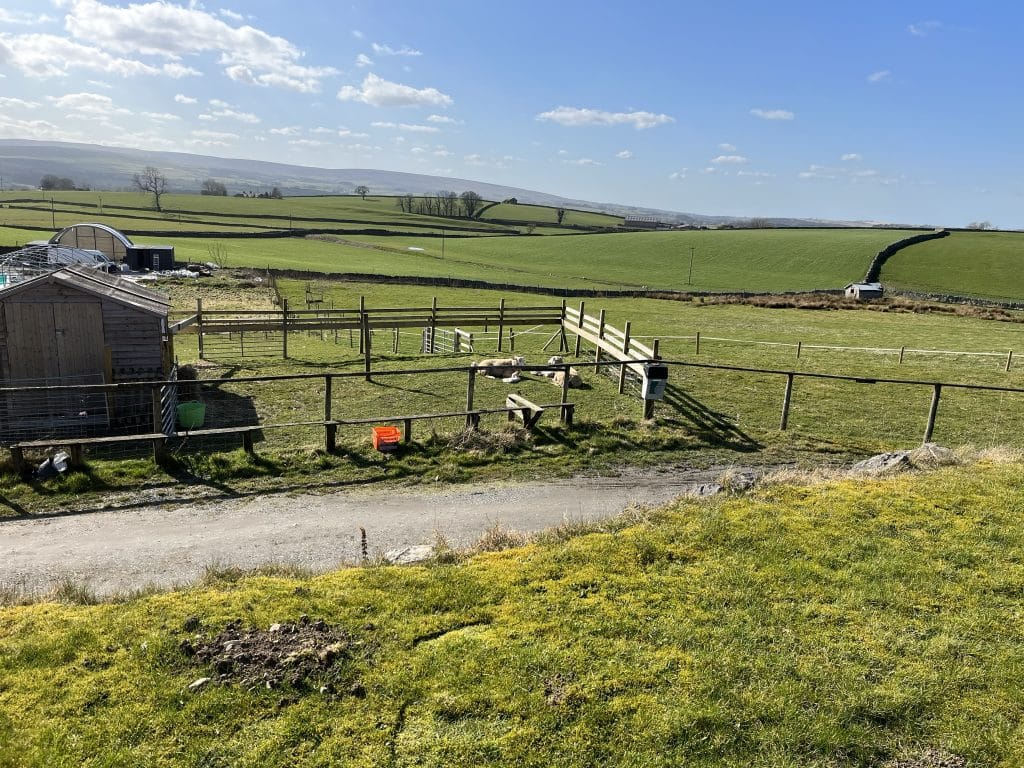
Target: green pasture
[(545, 214), (755, 260), (982, 264), (843, 624)]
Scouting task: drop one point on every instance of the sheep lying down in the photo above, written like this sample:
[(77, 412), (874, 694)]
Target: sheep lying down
[(504, 368), (557, 375)]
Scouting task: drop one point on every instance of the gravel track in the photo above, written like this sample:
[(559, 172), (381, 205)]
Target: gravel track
[(172, 544)]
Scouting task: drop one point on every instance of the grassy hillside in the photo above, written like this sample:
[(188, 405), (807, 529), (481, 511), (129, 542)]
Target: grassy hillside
[(845, 624), (983, 264)]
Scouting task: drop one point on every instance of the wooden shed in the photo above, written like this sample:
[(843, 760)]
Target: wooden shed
[(78, 325)]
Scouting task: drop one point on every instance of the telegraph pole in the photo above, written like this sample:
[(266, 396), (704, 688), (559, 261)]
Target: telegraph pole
[(689, 274)]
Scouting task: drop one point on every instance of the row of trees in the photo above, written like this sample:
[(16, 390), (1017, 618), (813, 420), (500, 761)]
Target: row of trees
[(53, 183), (444, 203)]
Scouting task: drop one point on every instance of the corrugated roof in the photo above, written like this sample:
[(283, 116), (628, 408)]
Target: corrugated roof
[(125, 240), (112, 287)]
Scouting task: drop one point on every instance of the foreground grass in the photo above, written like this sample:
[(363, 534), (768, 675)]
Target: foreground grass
[(840, 624)]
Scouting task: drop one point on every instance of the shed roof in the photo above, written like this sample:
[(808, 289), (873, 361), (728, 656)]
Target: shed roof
[(865, 286), (91, 280)]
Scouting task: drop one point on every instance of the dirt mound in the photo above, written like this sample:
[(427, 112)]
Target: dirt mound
[(305, 654)]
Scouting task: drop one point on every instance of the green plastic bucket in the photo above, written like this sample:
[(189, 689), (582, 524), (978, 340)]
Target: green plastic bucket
[(191, 414)]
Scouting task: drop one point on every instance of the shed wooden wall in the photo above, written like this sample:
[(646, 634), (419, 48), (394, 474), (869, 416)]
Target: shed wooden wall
[(134, 337)]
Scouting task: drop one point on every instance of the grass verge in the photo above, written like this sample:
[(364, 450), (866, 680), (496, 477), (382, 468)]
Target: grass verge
[(845, 623)]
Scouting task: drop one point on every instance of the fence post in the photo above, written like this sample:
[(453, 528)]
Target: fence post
[(501, 321), (330, 430), (799, 346), (470, 386), (563, 343), (625, 353), (786, 400), (365, 334), (511, 340), (158, 421), (600, 338), (932, 411), (1009, 359), (284, 328), (456, 342), (696, 350), (199, 323), (903, 351), (433, 325), (362, 312), (649, 404), (579, 325)]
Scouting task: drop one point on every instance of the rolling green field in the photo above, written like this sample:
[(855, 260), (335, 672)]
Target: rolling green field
[(545, 214), (847, 624), (982, 264)]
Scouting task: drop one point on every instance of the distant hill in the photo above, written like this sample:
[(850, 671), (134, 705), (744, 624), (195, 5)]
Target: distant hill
[(23, 163)]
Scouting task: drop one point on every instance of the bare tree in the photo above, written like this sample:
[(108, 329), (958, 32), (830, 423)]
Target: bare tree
[(470, 203), (214, 188), (449, 202), (362, 191), (152, 181), (559, 214), (980, 225)]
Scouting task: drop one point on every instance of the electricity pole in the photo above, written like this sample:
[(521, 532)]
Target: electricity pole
[(689, 274)]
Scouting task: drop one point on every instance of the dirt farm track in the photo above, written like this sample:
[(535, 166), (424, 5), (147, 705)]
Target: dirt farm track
[(172, 543)]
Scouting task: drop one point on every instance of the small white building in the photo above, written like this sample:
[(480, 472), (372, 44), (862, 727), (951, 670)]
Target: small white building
[(863, 291)]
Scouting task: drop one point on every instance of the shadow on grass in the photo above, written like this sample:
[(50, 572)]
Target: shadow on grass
[(707, 425)]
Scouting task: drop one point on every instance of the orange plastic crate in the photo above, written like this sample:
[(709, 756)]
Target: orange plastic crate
[(386, 438)]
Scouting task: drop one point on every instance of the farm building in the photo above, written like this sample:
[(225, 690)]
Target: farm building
[(116, 245), (642, 222), (864, 291), (75, 326)]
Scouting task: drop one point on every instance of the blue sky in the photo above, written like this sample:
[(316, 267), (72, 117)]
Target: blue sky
[(904, 112)]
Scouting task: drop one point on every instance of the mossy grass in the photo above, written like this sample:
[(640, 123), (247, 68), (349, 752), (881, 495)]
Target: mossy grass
[(842, 623)]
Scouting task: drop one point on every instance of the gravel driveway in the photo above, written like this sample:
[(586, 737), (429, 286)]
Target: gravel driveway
[(172, 544)]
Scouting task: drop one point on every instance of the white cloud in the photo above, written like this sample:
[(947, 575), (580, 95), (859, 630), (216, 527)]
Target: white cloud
[(756, 174), (7, 102), (583, 161), (357, 34), (99, 84), (362, 60), (730, 160), (43, 56), (405, 127), (161, 116), (345, 133), (443, 119), (850, 157), (22, 18), (308, 143), (473, 160), (576, 116), (171, 32), (379, 92), (229, 14), (442, 152), (624, 155), (387, 50), (678, 175), (88, 104), (879, 76), (37, 129), (288, 130), (232, 114), (773, 114), (183, 99), (726, 147), (708, 170), (922, 28), (212, 138)]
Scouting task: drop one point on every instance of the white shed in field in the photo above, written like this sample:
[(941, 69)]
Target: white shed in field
[(864, 291)]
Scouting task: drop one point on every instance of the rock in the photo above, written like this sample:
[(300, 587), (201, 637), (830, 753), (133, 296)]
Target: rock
[(196, 685), (706, 489), (739, 481), (406, 555), (274, 628), (883, 464), (191, 624), (932, 455)]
